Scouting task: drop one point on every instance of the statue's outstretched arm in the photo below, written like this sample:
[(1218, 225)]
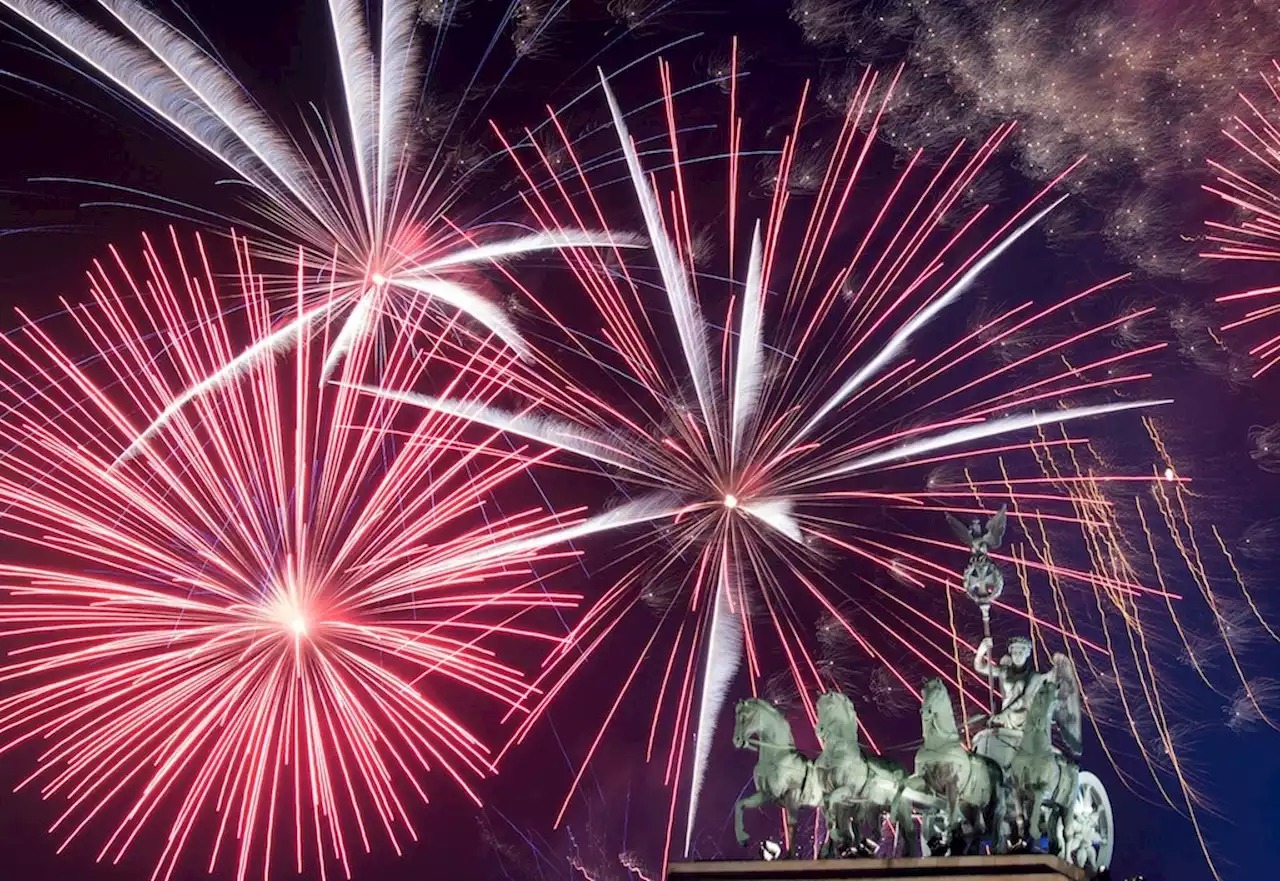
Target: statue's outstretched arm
[(981, 660)]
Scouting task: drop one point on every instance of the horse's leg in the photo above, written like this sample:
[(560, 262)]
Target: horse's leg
[(853, 825), (991, 817), (1025, 798), (1059, 807), (981, 824), (791, 817), (935, 836), (1000, 818), (754, 800), (964, 832), (980, 814), (959, 843), (900, 811), (955, 814), (1052, 802), (1057, 845), (827, 849), (1013, 813), (1033, 819), (1065, 801), (837, 810), (968, 830), (830, 814)]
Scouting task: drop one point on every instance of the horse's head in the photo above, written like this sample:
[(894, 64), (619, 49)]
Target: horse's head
[(936, 713), (1042, 702), (837, 718), (758, 719), (746, 721)]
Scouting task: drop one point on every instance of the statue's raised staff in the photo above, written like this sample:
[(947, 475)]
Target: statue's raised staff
[(983, 581)]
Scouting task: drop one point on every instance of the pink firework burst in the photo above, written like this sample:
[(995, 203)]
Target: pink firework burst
[(1247, 180), (258, 632), (809, 422), (368, 199)]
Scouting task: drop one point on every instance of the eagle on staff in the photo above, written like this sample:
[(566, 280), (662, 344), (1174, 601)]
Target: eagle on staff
[(980, 537)]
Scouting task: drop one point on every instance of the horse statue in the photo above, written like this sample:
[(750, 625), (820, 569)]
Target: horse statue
[(972, 786), (859, 788), (1039, 776), (783, 776)]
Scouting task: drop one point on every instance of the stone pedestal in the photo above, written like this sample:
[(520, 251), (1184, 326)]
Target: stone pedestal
[(1023, 867)]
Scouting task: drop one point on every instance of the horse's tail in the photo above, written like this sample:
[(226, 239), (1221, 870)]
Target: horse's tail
[(994, 770), (996, 819), (899, 793)]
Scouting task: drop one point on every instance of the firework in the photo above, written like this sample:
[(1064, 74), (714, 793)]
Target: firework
[(1253, 705), (1260, 541), (1139, 88), (1264, 441), (1246, 182), (361, 207), (823, 22), (779, 431), (265, 622), (635, 15)]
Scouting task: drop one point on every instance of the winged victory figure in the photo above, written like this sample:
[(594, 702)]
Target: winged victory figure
[(978, 537)]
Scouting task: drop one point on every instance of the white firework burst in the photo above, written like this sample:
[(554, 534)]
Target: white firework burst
[(353, 206)]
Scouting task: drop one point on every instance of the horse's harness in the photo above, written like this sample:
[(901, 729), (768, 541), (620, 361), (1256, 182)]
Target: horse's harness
[(755, 741), (1017, 702), (971, 760), (804, 781)]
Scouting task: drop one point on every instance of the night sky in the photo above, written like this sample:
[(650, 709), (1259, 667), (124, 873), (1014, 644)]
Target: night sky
[(58, 125)]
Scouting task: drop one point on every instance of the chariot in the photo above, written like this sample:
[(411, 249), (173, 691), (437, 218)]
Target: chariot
[(1086, 826), (1036, 797), (1008, 786)]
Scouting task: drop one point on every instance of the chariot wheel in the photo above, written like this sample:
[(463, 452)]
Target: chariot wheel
[(1091, 797)]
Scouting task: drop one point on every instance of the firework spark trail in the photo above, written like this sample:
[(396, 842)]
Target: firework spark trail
[(1105, 540), (264, 618), (1248, 185), (766, 442), (1144, 690), (1179, 521), (1244, 590), (1148, 675), (358, 209)]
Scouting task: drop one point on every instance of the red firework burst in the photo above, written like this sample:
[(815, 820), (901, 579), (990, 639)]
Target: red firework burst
[(1249, 184), (811, 420), (255, 628)]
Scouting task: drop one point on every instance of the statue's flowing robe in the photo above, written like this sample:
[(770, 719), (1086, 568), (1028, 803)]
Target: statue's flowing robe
[(1016, 691)]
